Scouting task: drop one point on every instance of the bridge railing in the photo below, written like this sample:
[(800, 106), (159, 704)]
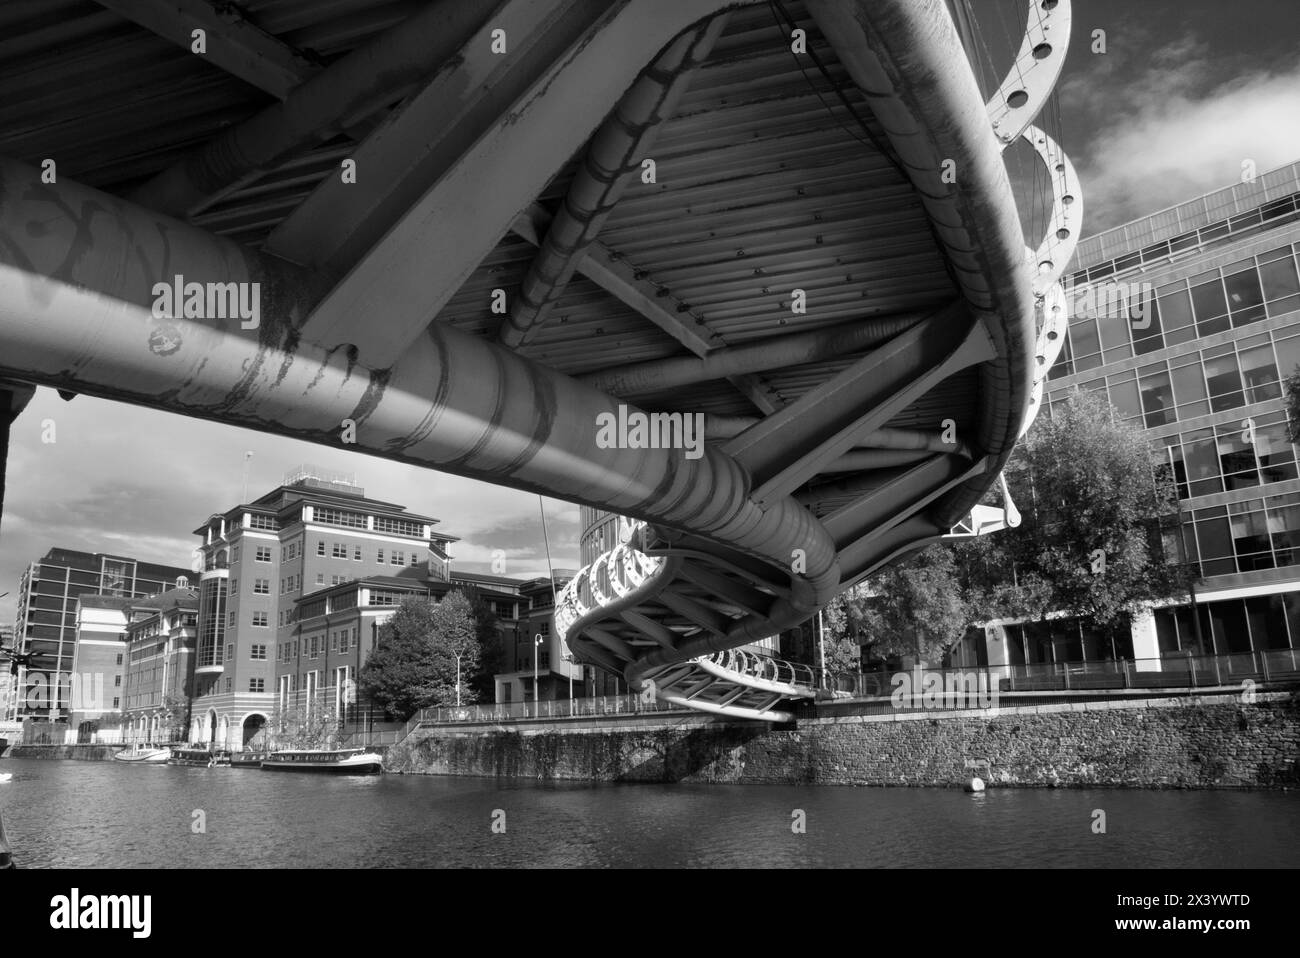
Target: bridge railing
[(766, 667), (1174, 670), (601, 705)]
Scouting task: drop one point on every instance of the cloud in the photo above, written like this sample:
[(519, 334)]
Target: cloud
[(1181, 124), (136, 482)]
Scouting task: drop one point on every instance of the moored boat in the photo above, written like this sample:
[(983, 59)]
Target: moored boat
[(344, 761), (199, 757), (144, 756), (248, 759)]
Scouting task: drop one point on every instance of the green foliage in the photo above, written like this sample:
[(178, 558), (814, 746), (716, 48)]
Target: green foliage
[(414, 665), (303, 728), (915, 606), (1094, 516), (1292, 389), (491, 649), (1089, 499), (843, 654)]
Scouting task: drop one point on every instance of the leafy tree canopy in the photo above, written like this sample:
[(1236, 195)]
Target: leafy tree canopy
[(414, 665), (1097, 539), (1097, 536)]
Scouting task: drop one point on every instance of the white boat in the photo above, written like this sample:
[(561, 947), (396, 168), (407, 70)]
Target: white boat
[(343, 761), (6, 777), (143, 756)]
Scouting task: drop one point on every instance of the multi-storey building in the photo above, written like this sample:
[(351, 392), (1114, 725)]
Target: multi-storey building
[(161, 636), (337, 627), (546, 662), (47, 618), (1188, 321), (259, 559), (7, 670), (98, 659)]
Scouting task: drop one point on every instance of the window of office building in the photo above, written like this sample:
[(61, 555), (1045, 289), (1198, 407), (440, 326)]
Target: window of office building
[(399, 558), (1157, 395), (339, 550), (1124, 395), (1258, 369), (1209, 304), (257, 653), (261, 619), (356, 554), (1223, 377), (1278, 281), (1245, 301), (261, 586), (257, 685), (320, 547), (1174, 304), (1188, 380), (262, 554)]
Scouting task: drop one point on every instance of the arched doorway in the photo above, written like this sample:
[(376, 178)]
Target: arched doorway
[(210, 727), (223, 732), (254, 731)]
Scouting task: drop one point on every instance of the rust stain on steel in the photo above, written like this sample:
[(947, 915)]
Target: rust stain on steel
[(371, 398)]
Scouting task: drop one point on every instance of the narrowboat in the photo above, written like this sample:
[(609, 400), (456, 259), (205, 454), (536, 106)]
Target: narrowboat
[(200, 757), (344, 761)]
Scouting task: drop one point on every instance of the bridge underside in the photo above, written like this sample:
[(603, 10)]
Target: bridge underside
[(478, 230)]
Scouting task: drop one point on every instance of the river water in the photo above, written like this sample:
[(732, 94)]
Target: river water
[(104, 815)]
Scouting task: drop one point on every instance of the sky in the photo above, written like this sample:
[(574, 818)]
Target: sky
[(1185, 92)]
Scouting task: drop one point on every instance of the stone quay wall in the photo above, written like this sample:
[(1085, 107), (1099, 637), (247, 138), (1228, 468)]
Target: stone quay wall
[(1185, 742)]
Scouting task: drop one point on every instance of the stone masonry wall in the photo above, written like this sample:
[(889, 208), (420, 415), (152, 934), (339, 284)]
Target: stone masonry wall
[(1167, 743)]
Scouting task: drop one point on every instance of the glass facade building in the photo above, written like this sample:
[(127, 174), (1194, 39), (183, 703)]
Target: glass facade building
[(1188, 323), (47, 615)]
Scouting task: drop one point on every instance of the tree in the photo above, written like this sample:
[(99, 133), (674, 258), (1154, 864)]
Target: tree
[(915, 606), (1292, 389), (491, 650), (416, 662), (1094, 511), (304, 727)]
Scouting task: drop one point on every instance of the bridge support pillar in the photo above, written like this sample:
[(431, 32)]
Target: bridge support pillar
[(13, 399)]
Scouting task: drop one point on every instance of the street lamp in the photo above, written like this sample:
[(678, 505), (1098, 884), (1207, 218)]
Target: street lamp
[(537, 698), (457, 654), (568, 657)]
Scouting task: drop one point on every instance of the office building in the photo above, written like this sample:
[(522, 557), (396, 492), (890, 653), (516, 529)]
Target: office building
[(315, 531), (1188, 322), (46, 624), (160, 638)]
